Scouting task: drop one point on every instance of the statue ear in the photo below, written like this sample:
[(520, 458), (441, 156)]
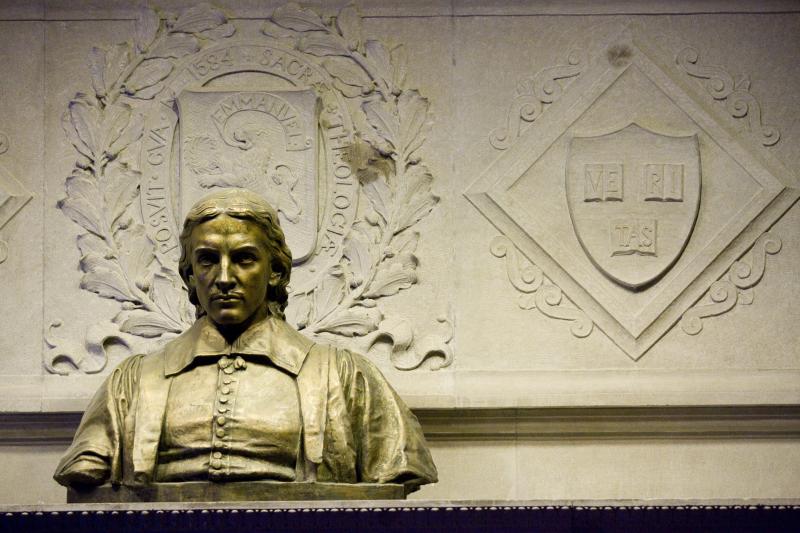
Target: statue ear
[(274, 278)]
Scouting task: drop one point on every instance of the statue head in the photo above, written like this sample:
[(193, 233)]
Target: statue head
[(234, 258)]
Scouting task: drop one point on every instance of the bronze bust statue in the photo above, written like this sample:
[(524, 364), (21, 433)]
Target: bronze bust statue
[(241, 395)]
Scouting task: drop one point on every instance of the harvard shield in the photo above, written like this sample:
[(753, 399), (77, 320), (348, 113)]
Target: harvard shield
[(633, 197)]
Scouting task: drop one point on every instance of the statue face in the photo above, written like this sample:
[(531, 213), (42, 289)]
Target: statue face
[(231, 270)]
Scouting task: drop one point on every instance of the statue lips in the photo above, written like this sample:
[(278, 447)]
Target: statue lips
[(227, 300)]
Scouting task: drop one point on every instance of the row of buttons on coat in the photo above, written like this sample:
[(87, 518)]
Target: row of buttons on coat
[(224, 400)]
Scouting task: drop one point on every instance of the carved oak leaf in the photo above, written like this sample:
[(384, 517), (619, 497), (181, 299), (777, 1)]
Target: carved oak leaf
[(329, 292), (120, 128), (104, 278), (80, 123), (170, 297), (220, 32), (384, 120), (90, 243), (121, 189), (174, 45), (136, 254), (144, 323), (145, 28), (294, 17), (379, 195), (107, 66), (97, 68), (199, 18), (80, 204), (413, 113), (379, 55), (416, 201), (354, 81), (270, 29), (322, 44), (150, 74), (357, 251), (399, 57), (405, 243), (354, 322), (348, 22), (298, 312), (393, 275)]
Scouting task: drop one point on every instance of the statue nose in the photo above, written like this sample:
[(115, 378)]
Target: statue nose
[(225, 281), (225, 285)]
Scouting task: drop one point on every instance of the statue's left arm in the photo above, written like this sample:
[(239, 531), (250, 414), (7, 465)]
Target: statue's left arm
[(390, 445)]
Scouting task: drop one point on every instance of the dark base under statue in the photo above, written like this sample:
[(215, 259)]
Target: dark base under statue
[(237, 491)]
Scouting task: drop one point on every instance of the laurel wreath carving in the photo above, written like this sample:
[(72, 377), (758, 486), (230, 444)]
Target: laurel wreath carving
[(118, 258), (378, 258)]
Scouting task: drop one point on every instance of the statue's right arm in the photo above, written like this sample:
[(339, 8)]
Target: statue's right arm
[(95, 455)]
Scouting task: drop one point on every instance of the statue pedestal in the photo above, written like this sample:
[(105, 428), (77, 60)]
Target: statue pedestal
[(238, 491), (652, 516)]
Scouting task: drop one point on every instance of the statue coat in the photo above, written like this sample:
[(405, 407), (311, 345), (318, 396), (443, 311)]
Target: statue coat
[(355, 428)]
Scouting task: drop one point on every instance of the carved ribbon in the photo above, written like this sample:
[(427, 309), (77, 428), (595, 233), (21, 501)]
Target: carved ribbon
[(528, 279), (532, 93), (740, 103)]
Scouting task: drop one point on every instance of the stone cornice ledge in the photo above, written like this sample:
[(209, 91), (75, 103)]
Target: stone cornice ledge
[(494, 389), (475, 424)]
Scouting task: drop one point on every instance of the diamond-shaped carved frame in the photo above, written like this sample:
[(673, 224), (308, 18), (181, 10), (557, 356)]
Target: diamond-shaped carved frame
[(779, 191), (13, 197)]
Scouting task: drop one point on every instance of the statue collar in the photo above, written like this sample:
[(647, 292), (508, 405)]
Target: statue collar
[(272, 338)]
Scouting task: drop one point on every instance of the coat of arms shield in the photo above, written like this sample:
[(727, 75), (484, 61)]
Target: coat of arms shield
[(265, 141), (633, 197)]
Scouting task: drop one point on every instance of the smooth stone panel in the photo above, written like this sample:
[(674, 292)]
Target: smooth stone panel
[(21, 196)]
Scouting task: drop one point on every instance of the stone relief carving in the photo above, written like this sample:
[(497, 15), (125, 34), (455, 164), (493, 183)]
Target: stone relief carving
[(4, 143), (373, 185), (623, 256), (13, 197), (739, 102), (537, 291), (649, 197), (534, 93), (89, 357), (735, 287)]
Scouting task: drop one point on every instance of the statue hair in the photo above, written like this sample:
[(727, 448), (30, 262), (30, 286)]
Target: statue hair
[(244, 205)]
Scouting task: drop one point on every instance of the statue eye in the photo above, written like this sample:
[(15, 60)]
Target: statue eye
[(206, 259), (245, 258)]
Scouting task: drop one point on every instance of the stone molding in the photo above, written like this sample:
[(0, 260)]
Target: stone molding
[(476, 424), (66, 11), (494, 389)]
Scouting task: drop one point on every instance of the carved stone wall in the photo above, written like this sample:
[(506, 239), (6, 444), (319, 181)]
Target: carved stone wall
[(506, 206)]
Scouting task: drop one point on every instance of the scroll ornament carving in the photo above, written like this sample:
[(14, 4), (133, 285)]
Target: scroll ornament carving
[(735, 287), (119, 259), (739, 102), (537, 291), (533, 94)]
